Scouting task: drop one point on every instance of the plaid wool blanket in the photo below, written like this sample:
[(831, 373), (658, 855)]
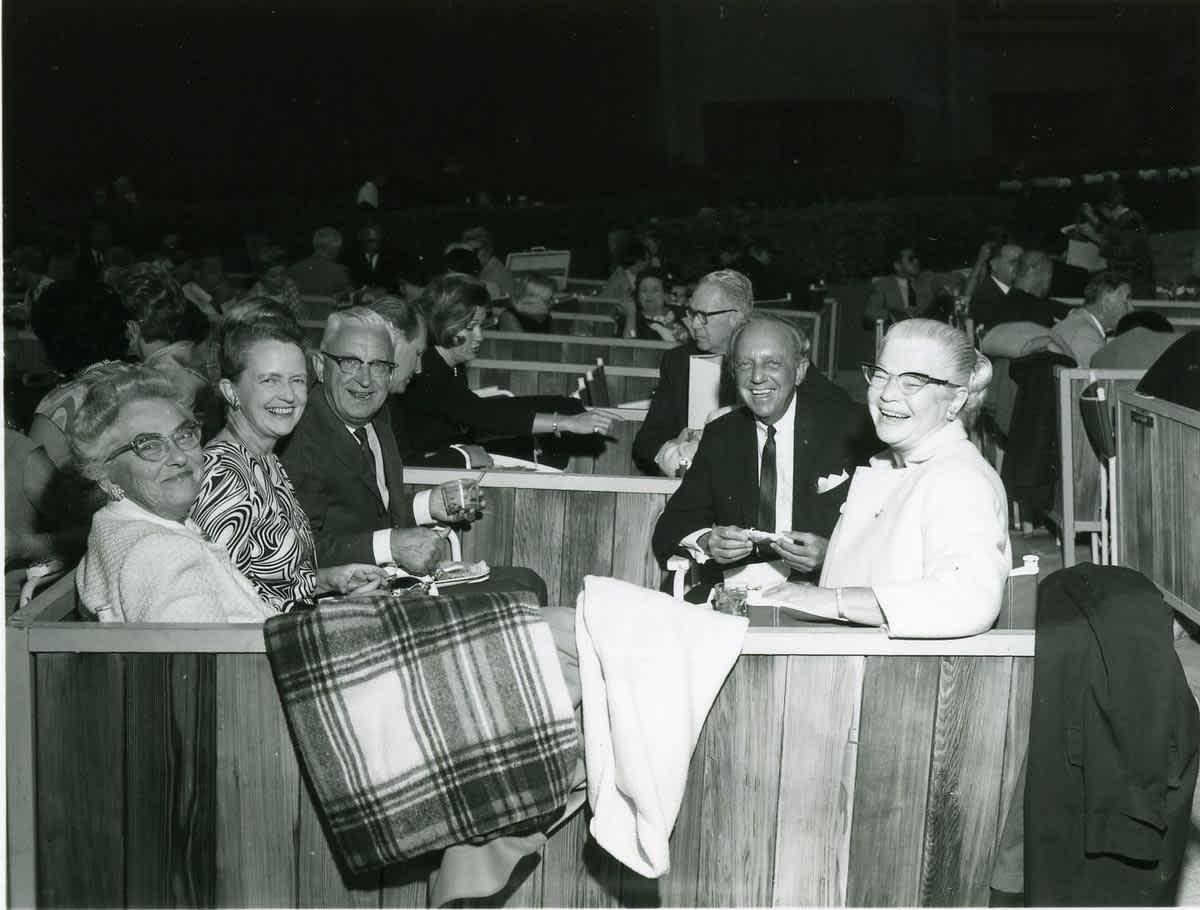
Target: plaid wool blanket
[(424, 722)]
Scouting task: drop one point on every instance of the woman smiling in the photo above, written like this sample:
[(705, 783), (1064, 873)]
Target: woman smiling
[(146, 562), (246, 502), (922, 545)]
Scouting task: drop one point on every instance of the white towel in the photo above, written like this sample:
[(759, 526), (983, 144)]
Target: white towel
[(650, 668)]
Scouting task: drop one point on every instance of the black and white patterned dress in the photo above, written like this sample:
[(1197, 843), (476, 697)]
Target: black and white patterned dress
[(246, 503)]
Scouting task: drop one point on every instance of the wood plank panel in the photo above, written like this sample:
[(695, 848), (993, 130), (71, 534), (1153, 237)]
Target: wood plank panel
[(537, 541), (588, 530), (20, 725), (964, 786), (741, 786), (1016, 737), (891, 787), (319, 880), (635, 516), (491, 538), (407, 885), (816, 783), (170, 780), (576, 871), (1187, 482), (680, 886), (258, 788), (80, 780)]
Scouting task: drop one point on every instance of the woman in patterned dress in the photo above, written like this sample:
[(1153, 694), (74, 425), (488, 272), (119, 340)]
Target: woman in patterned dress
[(246, 502)]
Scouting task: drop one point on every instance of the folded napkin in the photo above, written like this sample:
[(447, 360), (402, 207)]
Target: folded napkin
[(425, 722), (650, 669)]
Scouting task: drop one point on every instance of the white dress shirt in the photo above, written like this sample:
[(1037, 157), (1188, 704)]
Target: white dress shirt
[(381, 540), (776, 570)]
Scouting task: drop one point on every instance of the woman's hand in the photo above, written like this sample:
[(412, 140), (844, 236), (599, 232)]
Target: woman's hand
[(352, 578), (726, 543), (596, 422)]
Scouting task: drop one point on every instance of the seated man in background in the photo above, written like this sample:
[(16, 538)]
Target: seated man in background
[(721, 301), (1140, 339), (992, 280), (1085, 330), (632, 258), (1029, 300), (905, 293), (320, 275), (779, 464), (346, 469), (491, 269), (369, 265)]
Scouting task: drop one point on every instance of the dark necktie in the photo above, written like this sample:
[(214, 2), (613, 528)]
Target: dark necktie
[(368, 456), (766, 484), (912, 294)]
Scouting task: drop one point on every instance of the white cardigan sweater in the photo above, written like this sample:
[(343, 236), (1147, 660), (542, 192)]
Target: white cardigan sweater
[(143, 568)]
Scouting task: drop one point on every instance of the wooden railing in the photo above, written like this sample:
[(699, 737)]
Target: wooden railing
[(151, 766), (1158, 495)]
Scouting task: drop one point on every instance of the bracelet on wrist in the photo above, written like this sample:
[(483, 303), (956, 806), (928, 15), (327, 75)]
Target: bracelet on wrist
[(557, 429)]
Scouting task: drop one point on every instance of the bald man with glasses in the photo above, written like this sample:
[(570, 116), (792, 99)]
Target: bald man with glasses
[(721, 302)]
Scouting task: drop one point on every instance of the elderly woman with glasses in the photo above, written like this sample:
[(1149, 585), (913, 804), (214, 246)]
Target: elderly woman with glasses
[(922, 545), (146, 561), (440, 410), (246, 502)]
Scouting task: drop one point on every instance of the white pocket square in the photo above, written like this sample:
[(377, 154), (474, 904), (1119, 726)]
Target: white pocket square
[(831, 482)]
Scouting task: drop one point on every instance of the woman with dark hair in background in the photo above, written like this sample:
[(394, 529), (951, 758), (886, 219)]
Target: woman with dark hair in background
[(439, 410), (656, 320)]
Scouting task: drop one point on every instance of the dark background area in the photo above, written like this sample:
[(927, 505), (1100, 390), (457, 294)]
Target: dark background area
[(219, 99)]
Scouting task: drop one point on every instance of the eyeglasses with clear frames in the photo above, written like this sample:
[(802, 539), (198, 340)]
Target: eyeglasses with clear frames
[(910, 383), (701, 318), (350, 366), (155, 446)]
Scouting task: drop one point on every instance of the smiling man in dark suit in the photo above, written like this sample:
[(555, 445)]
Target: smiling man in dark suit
[(345, 466), (780, 463)]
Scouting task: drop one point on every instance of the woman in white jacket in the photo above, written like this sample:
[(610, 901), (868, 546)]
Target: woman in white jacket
[(922, 545), (146, 562)]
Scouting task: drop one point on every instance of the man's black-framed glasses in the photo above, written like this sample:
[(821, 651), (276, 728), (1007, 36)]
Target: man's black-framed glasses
[(350, 366), (155, 446), (701, 318), (910, 383)]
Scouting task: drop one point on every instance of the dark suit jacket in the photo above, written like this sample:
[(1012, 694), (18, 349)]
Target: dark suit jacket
[(439, 409), (887, 300), (386, 273), (988, 303), (1113, 740), (319, 277), (669, 406), (721, 487), (333, 485), (1021, 306)]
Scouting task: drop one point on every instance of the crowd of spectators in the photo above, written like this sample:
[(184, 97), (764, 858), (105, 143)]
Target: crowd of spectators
[(179, 352)]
